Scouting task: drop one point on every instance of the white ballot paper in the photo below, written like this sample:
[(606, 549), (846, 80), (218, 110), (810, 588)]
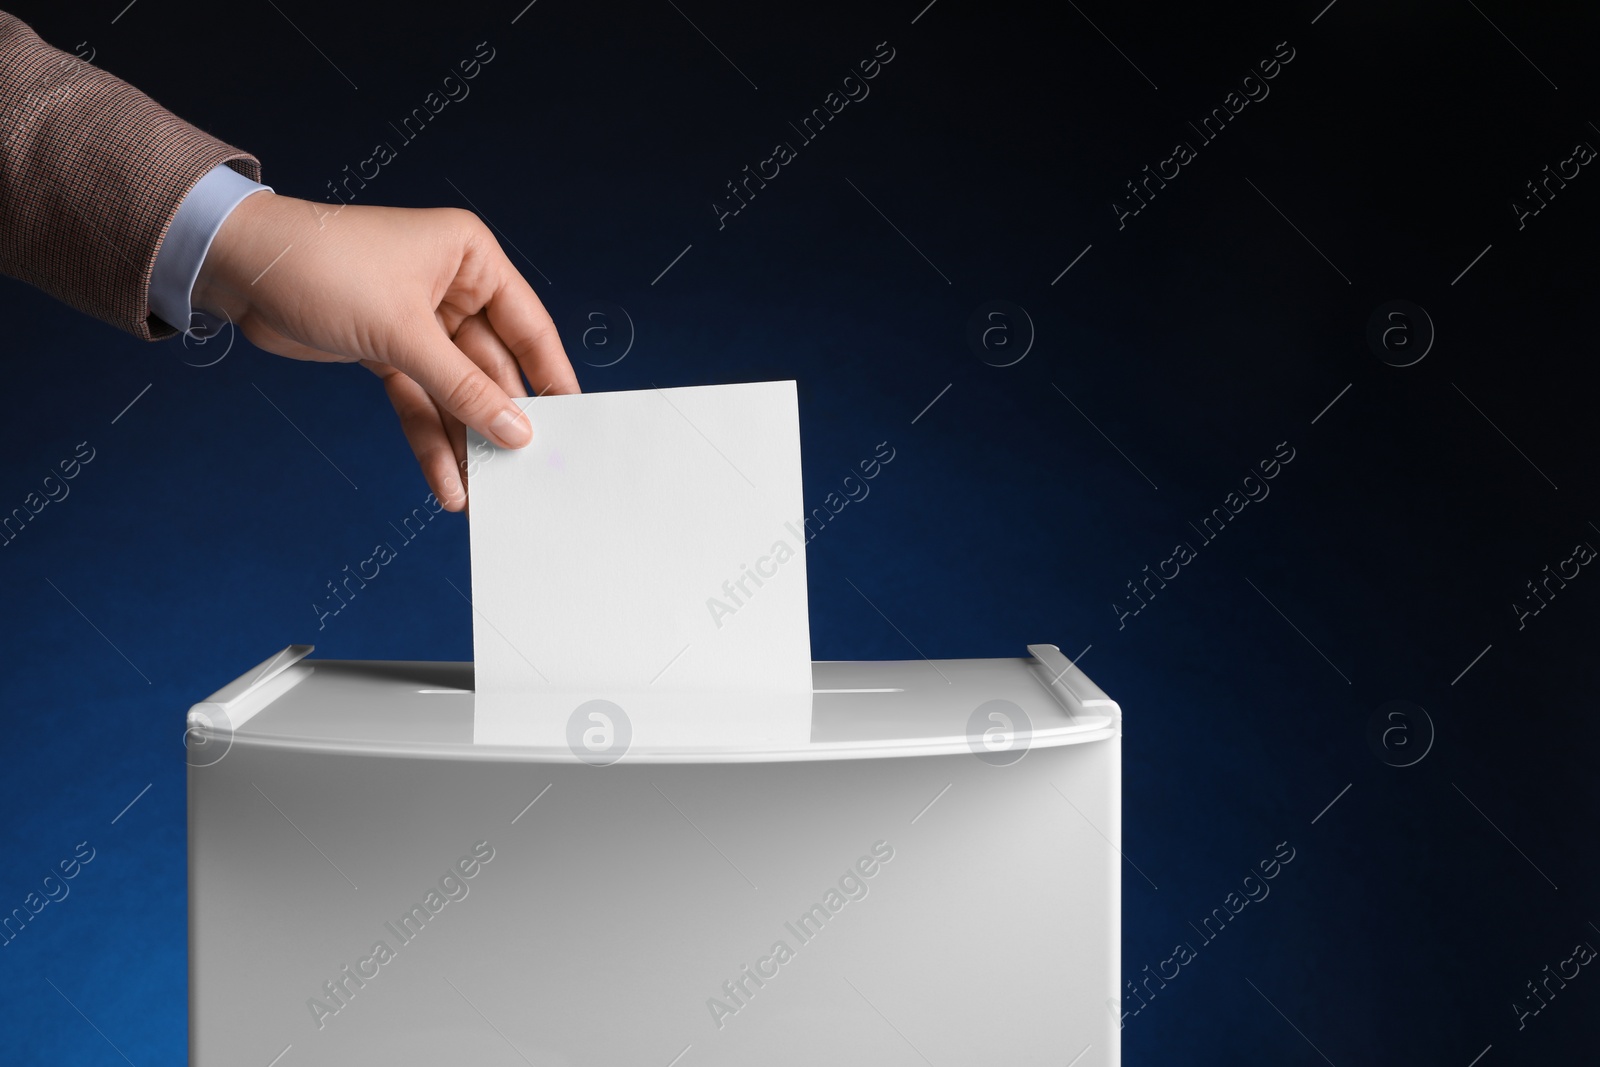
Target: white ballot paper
[(645, 547)]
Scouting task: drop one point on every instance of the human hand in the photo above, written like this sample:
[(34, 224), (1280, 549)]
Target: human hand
[(424, 298)]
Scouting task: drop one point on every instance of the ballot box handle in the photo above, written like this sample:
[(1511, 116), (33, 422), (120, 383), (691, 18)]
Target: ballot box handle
[(1071, 686), (241, 687), (230, 707)]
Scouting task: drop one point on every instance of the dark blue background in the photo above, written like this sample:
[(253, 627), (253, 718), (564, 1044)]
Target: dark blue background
[(1197, 338)]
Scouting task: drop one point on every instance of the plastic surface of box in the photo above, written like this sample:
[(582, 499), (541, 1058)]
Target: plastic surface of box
[(921, 861)]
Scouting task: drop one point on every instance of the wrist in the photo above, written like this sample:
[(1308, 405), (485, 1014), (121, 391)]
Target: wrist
[(235, 259)]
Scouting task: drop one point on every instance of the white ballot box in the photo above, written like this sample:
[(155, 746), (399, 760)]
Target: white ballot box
[(918, 862)]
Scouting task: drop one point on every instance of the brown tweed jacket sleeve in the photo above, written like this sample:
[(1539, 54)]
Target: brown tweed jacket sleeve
[(91, 173)]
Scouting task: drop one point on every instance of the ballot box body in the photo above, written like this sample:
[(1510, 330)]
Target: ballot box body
[(928, 870)]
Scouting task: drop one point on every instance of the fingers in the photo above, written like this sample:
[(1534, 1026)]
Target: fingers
[(478, 340), (459, 387), (440, 450), (524, 325), (457, 435)]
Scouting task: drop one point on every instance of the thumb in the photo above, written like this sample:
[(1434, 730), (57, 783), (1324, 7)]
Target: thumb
[(426, 354)]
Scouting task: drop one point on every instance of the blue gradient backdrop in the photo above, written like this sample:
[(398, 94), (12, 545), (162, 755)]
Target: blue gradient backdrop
[(1196, 339)]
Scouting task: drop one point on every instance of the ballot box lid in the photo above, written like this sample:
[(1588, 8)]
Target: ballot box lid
[(996, 709)]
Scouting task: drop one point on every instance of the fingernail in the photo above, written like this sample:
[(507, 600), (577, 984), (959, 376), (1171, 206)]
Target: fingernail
[(511, 427)]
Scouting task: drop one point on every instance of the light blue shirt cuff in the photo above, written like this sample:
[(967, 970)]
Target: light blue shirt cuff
[(184, 249)]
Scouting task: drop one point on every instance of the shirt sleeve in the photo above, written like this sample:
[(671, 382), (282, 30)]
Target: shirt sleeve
[(184, 248)]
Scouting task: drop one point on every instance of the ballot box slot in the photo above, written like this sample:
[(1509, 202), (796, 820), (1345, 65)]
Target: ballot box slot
[(835, 692)]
